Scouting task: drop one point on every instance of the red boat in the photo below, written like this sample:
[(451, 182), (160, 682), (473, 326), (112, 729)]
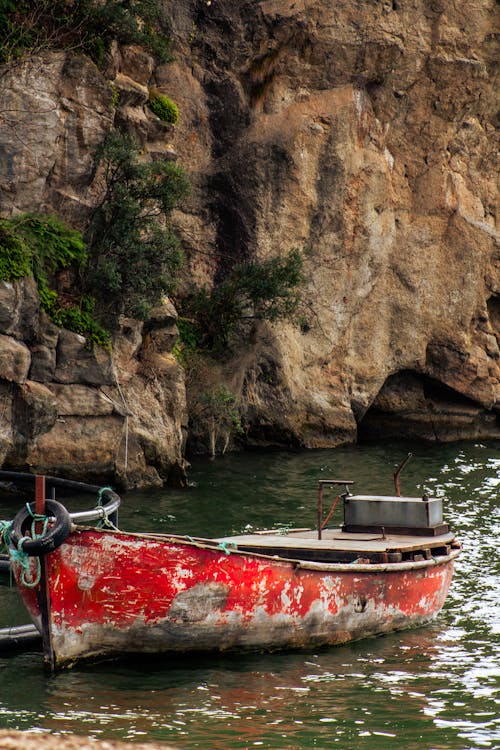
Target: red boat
[(99, 593)]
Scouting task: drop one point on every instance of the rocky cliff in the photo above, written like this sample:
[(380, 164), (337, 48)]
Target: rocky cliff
[(87, 413), (363, 133)]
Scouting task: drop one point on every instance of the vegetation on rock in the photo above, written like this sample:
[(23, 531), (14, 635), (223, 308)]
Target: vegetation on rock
[(213, 406), (163, 107), (134, 254), (86, 26), (215, 322), (129, 256), (15, 258), (255, 290), (41, 246), (217, 409)]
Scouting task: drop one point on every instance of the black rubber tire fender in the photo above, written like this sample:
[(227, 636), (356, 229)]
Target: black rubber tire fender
[(54, 537)]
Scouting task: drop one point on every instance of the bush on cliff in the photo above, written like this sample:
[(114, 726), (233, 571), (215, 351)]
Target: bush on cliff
[(42, 246), (259, 290), (213, 323), (134, 254), (163, 107), (86, 26), (15, 259)]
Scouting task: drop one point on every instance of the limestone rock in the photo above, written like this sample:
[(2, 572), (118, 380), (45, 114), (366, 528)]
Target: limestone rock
[(77, 363), (6, 419), (56, 110), (15, 359), (19, 309), (160, 341), (136, 63), (81, 400), (127, 343), (161, 334), (135, 122), (411, 406), (77, 448), (48, 332), (364, 134), (130, 92), (34, 411), (163, 315), (156, 400), (43, 363), (270, 385)]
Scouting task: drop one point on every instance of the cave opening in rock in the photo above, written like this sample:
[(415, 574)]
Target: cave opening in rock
[(413, 406)]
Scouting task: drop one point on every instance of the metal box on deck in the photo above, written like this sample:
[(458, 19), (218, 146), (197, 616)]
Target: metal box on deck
[(399, 514)]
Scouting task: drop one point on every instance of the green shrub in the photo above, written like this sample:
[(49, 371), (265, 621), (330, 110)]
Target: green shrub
[(40, 246), (88, 26), (133, 258), (51, 243), (265, 290), (116, 97), (15, 258), (163, 107), (219, 413), (80, 320)]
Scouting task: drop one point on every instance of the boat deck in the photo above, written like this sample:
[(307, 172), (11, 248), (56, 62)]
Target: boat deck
[(339, 546)]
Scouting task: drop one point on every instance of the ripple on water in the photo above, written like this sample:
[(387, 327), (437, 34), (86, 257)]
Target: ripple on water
[(431, 688)]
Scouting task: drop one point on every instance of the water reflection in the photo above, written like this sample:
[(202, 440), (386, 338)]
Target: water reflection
[(436, 687), (356, 696)]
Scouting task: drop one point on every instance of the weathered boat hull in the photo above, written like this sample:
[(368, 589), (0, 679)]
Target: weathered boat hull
[(112, 593)]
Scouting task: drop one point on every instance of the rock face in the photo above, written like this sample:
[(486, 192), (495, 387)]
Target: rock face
[(67, 409), (362, 133), (365, 134)]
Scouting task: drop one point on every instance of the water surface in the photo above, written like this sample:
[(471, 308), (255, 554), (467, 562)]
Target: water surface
[(435, 688)]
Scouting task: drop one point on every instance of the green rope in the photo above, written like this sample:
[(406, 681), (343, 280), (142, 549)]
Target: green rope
[(226, 547), (20, 557), (105, 522), (5, 527), (101, 493), (39, 519)]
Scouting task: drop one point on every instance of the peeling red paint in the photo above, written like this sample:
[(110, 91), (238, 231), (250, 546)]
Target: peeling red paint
[(113, 593)]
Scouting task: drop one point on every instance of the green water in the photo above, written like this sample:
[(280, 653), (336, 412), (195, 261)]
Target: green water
[(436, 688)]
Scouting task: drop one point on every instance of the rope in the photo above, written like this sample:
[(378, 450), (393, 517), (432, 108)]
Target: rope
[(37, 518), (5, 527), (127, 410), (23, 560), (226, 547), (104, 522), (18, 555), (101, 493), (126, 444)]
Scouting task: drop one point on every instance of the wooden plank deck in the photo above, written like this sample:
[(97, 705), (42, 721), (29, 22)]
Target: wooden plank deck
[(336, 540)]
